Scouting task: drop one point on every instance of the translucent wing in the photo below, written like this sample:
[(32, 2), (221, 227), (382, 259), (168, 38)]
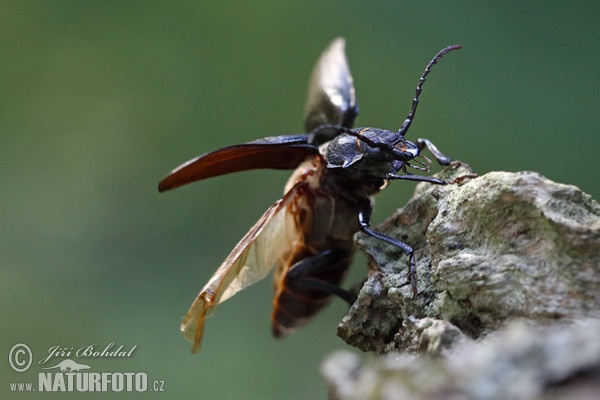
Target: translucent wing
[(331, 98), (263, 247), (277, 152)]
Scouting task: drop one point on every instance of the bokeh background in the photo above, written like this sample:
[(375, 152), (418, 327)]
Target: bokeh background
[(99, 100)]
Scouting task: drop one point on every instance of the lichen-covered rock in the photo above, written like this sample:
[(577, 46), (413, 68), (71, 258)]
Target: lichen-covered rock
[(488, 249), (518, 362)]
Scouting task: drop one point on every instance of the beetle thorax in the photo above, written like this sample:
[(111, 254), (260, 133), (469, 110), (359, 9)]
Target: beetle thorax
[(366, 156)]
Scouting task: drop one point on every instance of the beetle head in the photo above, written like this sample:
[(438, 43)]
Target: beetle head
[(374, 150)]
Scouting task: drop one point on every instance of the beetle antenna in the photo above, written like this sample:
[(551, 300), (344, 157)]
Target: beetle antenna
[(404, 128)]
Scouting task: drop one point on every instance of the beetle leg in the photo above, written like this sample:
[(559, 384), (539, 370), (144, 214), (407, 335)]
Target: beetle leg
[(418, 178), (363, 220), (439, 156), (301, 273)]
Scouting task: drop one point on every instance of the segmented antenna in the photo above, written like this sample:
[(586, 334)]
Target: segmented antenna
[(415, 102)]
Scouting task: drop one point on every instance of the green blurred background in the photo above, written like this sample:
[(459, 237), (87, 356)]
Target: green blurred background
[(99, 100)]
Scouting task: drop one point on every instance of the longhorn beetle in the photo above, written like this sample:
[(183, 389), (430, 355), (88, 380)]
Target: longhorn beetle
[(307, 235)]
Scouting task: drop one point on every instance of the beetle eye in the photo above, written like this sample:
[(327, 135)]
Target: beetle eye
[(401, 146), (405, 150)]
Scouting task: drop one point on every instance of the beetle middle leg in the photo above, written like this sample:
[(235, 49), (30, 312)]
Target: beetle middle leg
[(364, 221)]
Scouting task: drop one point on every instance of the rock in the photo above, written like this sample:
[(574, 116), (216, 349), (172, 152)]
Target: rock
[(488, 249), (519, 362)]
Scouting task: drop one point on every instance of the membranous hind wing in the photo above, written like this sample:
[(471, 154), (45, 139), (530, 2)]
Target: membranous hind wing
[(331, 98), (275, 152), (266, 245)]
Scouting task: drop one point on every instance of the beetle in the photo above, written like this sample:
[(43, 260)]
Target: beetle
[(307, 235)]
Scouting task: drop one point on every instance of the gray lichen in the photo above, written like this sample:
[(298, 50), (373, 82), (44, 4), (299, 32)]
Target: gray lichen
[(490, 250)]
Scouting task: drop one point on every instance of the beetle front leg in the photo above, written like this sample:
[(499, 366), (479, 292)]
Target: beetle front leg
[(363, 220), (439, 156)]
